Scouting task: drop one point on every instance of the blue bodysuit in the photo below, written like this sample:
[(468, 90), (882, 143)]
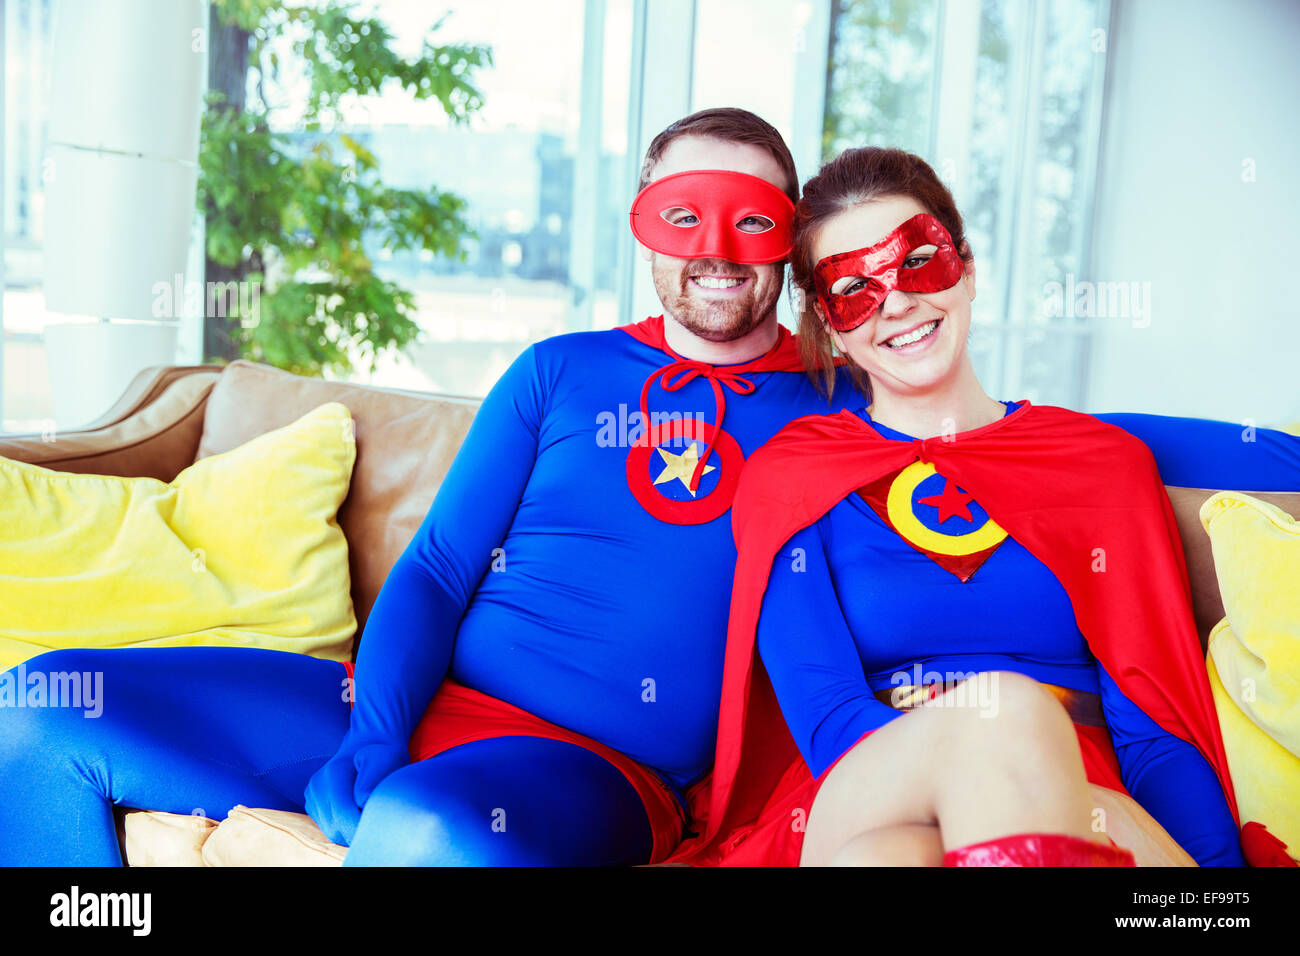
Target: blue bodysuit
[(539, 577)]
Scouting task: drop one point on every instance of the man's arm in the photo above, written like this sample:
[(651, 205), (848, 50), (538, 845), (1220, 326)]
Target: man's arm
[(1198, 453), (409, 639)]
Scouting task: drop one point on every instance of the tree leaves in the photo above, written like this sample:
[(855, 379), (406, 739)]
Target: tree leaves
[(298, 219)]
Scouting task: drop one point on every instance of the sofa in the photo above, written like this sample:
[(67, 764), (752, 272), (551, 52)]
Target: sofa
[(172, 416)]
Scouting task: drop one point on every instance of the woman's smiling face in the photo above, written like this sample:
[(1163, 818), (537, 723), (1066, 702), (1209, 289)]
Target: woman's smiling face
[(914, 341)]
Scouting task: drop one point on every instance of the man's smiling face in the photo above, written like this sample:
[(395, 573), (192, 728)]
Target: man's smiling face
[(717, 300)]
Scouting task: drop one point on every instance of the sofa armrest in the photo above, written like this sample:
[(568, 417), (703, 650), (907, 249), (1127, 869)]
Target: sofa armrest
[(1207, 602), (153, 430), (147, 386)]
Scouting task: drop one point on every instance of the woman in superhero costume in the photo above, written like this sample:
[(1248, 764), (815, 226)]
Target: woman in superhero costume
[(966, 610)]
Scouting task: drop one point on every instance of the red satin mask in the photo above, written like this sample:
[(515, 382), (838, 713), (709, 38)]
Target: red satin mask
[(882, 266), (712, 205)]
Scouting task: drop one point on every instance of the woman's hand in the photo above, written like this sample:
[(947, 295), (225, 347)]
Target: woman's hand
[(338, 791)]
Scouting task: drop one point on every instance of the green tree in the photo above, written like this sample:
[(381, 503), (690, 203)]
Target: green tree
[(880, 75), (293, 218)]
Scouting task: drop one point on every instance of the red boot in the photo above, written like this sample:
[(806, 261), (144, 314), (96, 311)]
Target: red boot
[(1038, 849)]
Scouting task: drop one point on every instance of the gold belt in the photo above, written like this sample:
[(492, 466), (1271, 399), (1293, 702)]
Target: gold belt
[(1082, 706)]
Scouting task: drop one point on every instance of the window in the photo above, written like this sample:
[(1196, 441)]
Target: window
[(1003, 99), (539, 165), (25, 402)]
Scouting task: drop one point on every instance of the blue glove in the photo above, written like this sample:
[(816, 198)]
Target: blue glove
[(338, 791)]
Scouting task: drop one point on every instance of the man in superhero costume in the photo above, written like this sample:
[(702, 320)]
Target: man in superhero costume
[(539, 678)]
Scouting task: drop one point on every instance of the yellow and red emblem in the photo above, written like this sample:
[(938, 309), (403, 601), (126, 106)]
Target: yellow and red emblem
[(935, 517)]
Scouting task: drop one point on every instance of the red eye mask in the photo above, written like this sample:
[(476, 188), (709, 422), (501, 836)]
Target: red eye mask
[(719, 200), (882, 267)]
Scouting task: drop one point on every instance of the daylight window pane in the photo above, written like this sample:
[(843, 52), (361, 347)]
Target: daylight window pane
[(882, 69), (1025, 126), (515, 165)]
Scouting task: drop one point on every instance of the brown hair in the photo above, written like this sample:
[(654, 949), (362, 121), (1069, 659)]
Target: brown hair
[(730, 125), (855, 177)]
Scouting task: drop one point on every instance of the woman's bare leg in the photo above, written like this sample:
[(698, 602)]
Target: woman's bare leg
[(1005, 761), (907, 844)]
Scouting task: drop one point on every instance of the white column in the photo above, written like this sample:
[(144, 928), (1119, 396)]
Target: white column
[(812, 34), (4, 60), (586, 172), (663, 54), (955, 96), (126, 88)]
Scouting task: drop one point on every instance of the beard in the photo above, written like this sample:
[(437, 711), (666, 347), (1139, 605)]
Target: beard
[(717, 320)]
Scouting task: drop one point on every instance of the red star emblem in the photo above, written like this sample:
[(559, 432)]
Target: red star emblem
[(951, 502)]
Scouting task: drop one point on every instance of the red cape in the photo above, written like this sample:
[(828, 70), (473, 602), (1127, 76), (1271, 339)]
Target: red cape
[(1061, 483)]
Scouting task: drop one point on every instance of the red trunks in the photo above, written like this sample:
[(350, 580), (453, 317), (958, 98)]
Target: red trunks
[(459, 715)]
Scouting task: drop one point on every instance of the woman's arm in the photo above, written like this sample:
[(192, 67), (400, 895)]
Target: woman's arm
[(1198, 453), (811, 658), (1171, 780)]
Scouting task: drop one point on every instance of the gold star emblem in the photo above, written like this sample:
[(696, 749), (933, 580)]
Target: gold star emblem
[(681, 466)]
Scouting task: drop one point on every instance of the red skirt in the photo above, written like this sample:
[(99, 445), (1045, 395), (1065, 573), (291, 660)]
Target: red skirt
[(776, 837)]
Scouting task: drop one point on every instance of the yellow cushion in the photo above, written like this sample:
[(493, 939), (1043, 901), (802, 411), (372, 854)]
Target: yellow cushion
[(155, 838), (251, 837), (1265, 775), (240, 549), (1254, 657)]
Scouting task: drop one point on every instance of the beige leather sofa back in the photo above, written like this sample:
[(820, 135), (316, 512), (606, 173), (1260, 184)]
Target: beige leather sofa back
[(405, 443), (171, 416)]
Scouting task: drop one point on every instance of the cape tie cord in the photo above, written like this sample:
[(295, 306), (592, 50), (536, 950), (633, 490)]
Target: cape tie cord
[(687, 370)]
